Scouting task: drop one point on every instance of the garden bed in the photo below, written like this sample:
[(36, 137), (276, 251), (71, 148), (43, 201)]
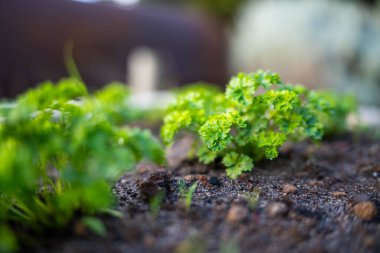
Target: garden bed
[(313, 198)]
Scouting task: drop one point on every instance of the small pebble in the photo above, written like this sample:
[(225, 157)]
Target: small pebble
[(338, 194), (315, 183), (189, 177), (365, 210), (149, 241), (277, 209), (236, 214), (369, 242), (214, 181), (289, 188), (203, 180)]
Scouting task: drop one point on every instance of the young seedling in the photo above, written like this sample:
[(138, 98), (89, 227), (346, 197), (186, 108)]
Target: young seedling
[(255, 116), (187, 193)]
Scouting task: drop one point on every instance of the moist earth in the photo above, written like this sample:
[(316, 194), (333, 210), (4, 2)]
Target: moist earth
[(314, 198)]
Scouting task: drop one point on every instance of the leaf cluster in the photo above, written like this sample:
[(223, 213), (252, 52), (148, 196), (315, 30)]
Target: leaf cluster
[(255, 116), (60, 148)]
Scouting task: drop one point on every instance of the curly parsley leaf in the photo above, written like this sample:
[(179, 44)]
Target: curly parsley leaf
[(236, 164)]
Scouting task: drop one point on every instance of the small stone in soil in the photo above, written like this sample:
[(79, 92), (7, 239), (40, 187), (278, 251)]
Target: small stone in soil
[(214, 181), (369, 242), (203, 180), (149, 241), (315, 183), (365, 210), (277, 209), (189, 177), (236, 214), (338, 194), (289, 188)]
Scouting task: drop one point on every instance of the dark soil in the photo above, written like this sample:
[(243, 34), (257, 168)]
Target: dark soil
[(312, 198)]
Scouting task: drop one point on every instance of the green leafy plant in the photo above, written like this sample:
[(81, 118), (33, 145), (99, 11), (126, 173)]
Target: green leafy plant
[(60, 149), (255, 116)]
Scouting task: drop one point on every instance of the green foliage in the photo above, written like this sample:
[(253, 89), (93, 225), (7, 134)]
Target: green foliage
[(199, 87), (225, 10), (215, 132), (187, 193), (190, 111), (60, 148), (95, 225), (257, 114), (343, 105), (113, 100), (69, 61), (237, 164), (7, 240)]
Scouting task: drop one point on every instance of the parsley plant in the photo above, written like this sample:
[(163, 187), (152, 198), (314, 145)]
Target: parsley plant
[(255, 116)]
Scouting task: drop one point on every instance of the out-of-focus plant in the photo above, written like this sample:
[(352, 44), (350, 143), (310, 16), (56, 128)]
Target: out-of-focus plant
[(187, 193), (256, 115), (342, 106), (225, 10), (60, 149)]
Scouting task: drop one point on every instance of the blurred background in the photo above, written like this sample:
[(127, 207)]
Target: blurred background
[(156, 45)]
